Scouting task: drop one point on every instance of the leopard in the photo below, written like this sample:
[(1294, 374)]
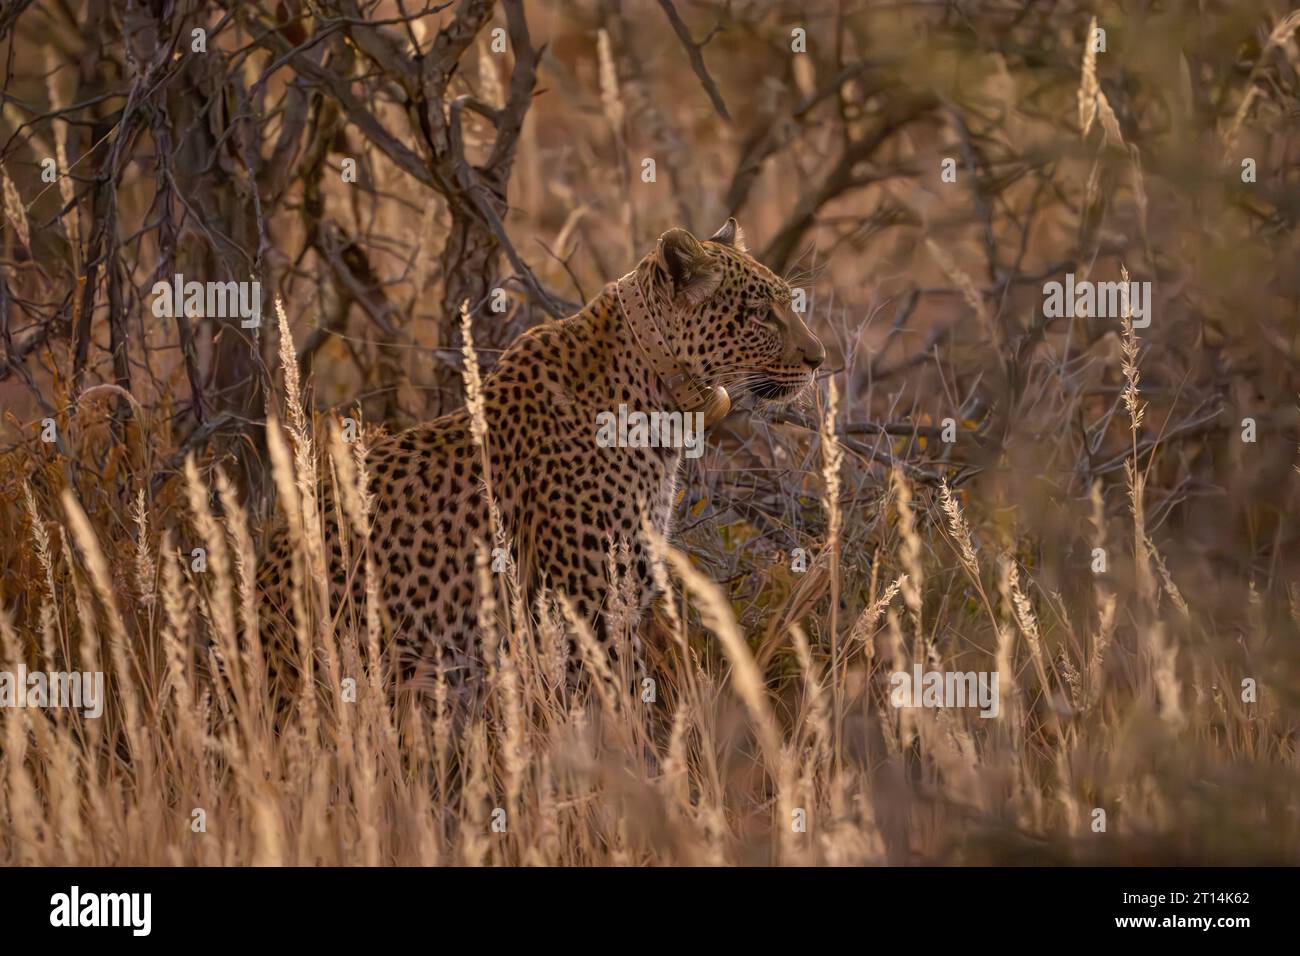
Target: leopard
[(569, 506)]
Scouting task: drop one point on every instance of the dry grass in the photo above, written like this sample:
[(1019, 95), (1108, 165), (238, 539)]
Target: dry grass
[(1115, 706), (1098, 535)]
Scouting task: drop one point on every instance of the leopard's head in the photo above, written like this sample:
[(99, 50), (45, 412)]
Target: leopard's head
[(729, 318)]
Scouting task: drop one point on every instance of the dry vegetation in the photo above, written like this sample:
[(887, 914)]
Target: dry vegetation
[(1120, 691)]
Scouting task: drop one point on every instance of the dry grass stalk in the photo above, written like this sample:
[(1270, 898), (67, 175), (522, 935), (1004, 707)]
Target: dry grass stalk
[(41, 539), (124, 671), (748, 680), (865, 625), (909, 549), (832, 461), (965, 285), (489, 81), (1276, 38), (611, 100), (15, 211), (1088, 86), (1109, 122), (67, 191), (1131, 397), (959, 530)]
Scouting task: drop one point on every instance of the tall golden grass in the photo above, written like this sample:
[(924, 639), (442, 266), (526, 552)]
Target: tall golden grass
[(1113, 698)]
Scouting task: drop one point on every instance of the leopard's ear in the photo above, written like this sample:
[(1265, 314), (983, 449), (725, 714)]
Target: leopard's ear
[(730, 235), (694, 273)]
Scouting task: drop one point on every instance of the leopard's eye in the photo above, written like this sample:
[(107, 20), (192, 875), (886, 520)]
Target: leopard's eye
[(765, 315)]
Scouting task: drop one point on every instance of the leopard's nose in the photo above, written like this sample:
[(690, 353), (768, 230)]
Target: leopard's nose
[(814, 354)]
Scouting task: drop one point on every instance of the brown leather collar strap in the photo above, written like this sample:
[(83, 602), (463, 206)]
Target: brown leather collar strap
[(685, 393)]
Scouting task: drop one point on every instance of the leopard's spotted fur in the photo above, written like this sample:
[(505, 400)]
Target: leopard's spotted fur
[(564, 500)]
